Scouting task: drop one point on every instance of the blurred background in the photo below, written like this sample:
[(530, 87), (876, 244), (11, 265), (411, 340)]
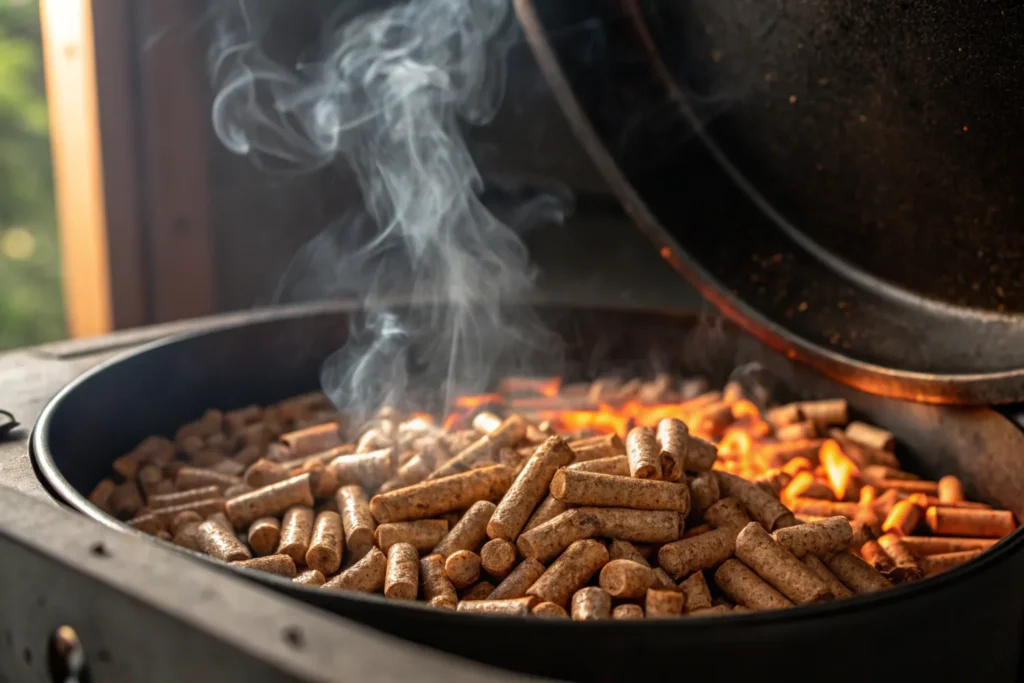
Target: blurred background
[(31, 305), (120, 207)]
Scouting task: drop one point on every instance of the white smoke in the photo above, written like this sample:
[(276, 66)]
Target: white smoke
[(387, 91)]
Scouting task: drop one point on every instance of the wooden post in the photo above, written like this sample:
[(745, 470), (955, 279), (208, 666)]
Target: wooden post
[(128, 120)]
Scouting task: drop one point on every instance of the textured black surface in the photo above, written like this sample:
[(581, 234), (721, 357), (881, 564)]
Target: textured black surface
[(662, 150), (940, 624)]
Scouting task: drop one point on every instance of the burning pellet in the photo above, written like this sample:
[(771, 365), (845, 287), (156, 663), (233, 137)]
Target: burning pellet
[(950, 490), (822, 508), (875, 555), (220, 542), (438, 590), (462, 568), (864, 456), (182, 518), (312, 439), (744, 586), (498, 557), (327, 545), (402, 576), (922, 546), (660, 604), (469, 532), (835, 586), (780, 454), (727, 513), (704, 492), (296, 531), (876, 473), (478, 591), (819, 538), (548, 540), (529, 488), (618, 465), (929, 488), (519, 607), (779, 567), (905, 567), (434, 497), (625, 579), (672, 438), (825, 413), (570, 572), (884, 503), (697, 595), (870, 436), (270, 501), (856, 574), (643, 453), (627, 611), (310, 577), (805, 485), (797, 431), (264, 472), (783, 416), (762, 506), (548, 509), (945, 521), (282, 565), (933, 564), (590, 604), (700, 552), (193, 478), (423, 534), (366, 575), (125, 500), (903, 518), (522, 577), (486, 422), (550, 610), (356, 519), (264, 535)]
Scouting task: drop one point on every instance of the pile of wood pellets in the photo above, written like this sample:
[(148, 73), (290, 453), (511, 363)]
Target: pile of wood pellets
[(622, 500)]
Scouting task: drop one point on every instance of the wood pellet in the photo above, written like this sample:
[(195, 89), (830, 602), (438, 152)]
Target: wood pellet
[(638, 499)]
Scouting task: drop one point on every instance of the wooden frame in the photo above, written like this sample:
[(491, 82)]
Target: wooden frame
[(129, 137)]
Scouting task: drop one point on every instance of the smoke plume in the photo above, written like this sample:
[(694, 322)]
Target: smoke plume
[(387, 92)]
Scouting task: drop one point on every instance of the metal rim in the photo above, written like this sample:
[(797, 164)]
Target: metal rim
[(1003, 386), (62, 489)]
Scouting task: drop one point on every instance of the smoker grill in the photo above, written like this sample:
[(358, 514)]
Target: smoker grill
[(940, 624)]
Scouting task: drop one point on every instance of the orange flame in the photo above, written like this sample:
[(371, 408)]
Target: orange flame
[(839, 469)]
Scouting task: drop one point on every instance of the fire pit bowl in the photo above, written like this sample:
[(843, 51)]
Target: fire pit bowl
[(964, 624)]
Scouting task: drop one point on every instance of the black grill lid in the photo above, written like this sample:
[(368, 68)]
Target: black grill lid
[(894, 298)]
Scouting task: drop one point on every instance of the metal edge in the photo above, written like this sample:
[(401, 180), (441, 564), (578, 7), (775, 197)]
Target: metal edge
[(41, 457), (946, 389)]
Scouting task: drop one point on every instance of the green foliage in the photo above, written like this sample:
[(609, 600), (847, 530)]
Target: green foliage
[(31, 308)]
